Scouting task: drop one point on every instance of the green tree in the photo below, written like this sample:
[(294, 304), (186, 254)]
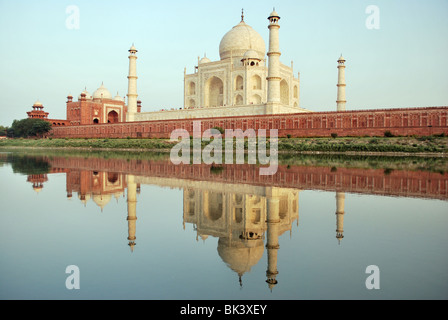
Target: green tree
[(3, 131), (28, 128)]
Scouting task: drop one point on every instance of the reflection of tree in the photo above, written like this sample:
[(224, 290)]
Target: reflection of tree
[(28, 165)]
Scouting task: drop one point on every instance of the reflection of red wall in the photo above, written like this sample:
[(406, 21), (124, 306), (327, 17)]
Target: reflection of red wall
[(405, 121), (369, 181)]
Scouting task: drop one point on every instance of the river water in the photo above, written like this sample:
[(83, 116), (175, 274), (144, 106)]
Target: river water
[(110, 225)]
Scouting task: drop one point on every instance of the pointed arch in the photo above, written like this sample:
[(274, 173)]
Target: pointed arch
[(284, 92), (112, 117), (214, 89)]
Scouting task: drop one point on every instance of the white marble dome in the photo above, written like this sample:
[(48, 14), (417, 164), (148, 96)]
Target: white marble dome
[(102, 93), (239, 40)]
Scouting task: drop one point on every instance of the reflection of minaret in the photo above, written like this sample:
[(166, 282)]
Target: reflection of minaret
[(340, 199), (273, 221), (132, 210)]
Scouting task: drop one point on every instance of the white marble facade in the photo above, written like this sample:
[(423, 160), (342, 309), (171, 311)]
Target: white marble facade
[(235, 85)]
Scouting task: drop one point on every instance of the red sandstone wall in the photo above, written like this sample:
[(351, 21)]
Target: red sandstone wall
[(406, 121), (367, 181)]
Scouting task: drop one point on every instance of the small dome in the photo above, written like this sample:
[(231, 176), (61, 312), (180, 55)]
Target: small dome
[(205, 60), (118, 97), (88, 96), (341, 58), (274, 14), (240, 39), (133, 48), (251, 54), (37, 104), (102, 93)]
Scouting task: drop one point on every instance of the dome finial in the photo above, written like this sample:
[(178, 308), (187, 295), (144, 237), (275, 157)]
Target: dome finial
[(242, 15)]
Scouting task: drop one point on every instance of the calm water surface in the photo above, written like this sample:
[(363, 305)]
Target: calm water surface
[(139, 227)]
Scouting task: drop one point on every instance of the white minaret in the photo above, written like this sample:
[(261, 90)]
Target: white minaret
[(341, 85), (274, 60), (132, 85)]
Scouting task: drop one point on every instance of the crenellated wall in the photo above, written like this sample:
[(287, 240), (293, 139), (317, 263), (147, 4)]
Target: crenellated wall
[(400, 121)]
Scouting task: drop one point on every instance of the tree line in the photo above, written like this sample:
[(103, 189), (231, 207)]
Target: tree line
[(26, 128)]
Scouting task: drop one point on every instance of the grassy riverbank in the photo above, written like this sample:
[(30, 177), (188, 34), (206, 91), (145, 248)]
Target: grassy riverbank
[(413, 145)]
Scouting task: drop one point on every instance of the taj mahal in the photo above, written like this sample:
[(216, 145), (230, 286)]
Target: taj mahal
[(243, 82), (247, 88)]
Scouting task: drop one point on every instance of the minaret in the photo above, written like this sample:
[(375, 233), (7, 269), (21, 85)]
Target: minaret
[(340, 203), (132, 85), (274, 60), (132, 210), (272, 245), (341, 85)]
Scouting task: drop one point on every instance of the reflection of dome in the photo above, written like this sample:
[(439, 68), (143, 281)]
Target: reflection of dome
[(240, 39), (240, 256), (84, 198), (102, 93), (101, 200)]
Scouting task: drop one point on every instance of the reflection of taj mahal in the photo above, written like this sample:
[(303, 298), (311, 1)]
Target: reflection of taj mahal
[(240, 219), (247, 219)]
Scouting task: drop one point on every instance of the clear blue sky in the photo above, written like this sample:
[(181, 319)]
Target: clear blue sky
[(402, 64)]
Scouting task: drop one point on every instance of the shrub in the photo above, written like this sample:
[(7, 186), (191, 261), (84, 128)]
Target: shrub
[(388, 134)]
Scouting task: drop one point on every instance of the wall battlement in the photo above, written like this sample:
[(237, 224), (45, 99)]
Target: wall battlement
[(400, 121)]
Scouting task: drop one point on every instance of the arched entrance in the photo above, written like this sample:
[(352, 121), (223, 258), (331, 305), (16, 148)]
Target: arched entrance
[(284, 92), (214, 90), (112, 117)]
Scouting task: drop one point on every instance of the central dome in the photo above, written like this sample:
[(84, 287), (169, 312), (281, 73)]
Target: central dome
[(239, 40), (102, 93)]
